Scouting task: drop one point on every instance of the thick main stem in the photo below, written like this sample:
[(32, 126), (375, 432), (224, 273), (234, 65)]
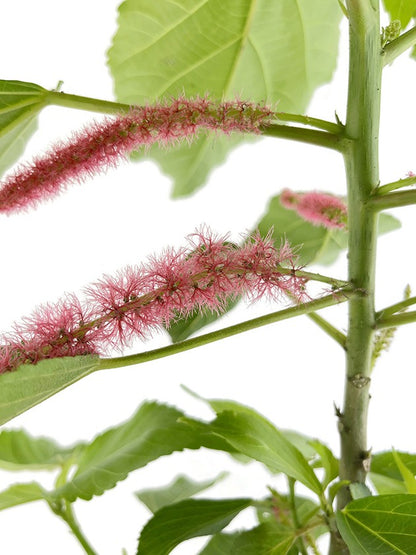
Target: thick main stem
[(361, 160)]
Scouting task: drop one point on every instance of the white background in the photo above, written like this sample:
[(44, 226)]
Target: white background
[(291, 372)]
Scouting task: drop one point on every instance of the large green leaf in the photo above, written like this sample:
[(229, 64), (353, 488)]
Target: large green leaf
[(152, 432), (384, 524), (258, 50), (17, 494), (20, 103), (403, 10), (31, 384), (20, 451), (182, 488), (187, 519)]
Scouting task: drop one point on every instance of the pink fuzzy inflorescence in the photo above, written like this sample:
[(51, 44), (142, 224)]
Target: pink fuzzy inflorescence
[(318, 208), (202, 276), (102, 145)]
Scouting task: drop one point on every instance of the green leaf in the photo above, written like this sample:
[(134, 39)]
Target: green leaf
[(383, 524), (327, 460), (255, 437), (220, 544), (281, 505), (17, 494), (359, 490), (31, 384), (185, 327), (187, 519), (384, 463), (407, 475), (20, 104), (261, 51), (265, 539), (385, 485), (403, 10), (152, 432), (182, 488), (20, 451)]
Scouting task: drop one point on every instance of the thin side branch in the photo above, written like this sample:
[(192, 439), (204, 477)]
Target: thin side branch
[(395, 308), (396, 320), (310, 136), (400, 184), (328, 328), (393, 49), (304, 308), (392, 200), (331, 127)]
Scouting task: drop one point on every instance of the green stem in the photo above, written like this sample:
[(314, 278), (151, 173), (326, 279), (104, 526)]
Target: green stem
[(398, 46), (394, 308), (85, 103), (361, 162), (64, 510), (328, 328), (406, 182), (310, 136), (304, 308), (299, 542), (396, 320), (335, 128), (392, 200), (311, 276)]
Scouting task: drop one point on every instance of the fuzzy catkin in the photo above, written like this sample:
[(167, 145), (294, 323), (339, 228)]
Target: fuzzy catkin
[(321, 209), (204, 275), (102, 145)]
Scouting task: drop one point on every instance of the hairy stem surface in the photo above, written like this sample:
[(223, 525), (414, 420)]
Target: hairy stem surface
[(361, 162)]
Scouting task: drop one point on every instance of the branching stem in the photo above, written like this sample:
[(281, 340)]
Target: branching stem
[(304, 308)]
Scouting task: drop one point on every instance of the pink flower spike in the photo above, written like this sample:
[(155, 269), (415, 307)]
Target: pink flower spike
[(102, 145), (289, 199), (139, 299), (323, 209), (315, 207)]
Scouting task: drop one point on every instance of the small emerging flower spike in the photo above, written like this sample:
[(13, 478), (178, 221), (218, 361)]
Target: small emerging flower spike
[(317, 208), (140, 299), (102, 145)]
